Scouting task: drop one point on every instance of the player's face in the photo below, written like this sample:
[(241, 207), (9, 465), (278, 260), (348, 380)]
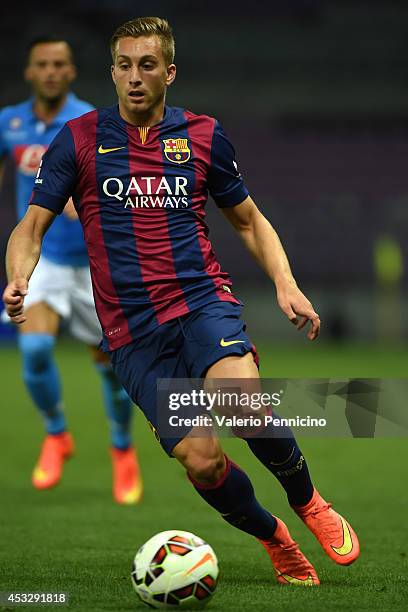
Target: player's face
[(141, 76), (50, 71)]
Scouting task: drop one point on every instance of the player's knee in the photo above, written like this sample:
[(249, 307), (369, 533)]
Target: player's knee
[(36, 350), (208, 470), (204, 462)]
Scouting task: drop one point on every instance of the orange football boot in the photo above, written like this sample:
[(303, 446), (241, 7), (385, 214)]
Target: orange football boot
[(55, 450), (334, 533), (127, 479), (290, 564)]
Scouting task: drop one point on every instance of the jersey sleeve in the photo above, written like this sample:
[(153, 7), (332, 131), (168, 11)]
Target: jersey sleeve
[(56, 177), (225, 182)]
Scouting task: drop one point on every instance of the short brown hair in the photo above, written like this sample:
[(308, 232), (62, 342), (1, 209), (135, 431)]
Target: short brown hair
[(49, 40), (147, 26)]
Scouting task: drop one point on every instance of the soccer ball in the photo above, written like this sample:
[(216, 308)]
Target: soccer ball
[(175, 569)]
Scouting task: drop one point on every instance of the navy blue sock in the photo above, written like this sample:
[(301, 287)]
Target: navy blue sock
[(233, 496), (283, 457)]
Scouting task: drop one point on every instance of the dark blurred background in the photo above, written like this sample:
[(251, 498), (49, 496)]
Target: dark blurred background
[(314, 96)]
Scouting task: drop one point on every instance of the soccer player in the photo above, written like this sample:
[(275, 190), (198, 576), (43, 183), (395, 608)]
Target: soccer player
[(140, 173), (60, 288)]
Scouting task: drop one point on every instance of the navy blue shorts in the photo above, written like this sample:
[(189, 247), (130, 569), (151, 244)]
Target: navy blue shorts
[(185, 347)]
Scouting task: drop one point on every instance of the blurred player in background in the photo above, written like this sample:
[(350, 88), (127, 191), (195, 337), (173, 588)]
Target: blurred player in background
[(60, 288), (140, 174)]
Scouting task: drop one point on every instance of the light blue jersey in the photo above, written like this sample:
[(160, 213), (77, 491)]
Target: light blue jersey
[(25, 138)]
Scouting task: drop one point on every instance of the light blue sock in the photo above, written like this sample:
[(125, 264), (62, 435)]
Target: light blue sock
[(118, 407), (42, 380)]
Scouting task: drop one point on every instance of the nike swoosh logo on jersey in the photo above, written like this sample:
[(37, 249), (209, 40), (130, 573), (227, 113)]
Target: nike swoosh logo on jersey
[(102, 151), (347, 545), (229, 342)]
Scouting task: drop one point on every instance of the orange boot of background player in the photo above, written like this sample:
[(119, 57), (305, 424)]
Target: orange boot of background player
[(56, 449), (127, 479)]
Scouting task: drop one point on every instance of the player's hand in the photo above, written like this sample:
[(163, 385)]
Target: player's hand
[(298, 309), (13, 298), (69, 210)]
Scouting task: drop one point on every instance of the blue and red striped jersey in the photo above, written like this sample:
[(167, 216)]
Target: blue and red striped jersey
[(140, 194)]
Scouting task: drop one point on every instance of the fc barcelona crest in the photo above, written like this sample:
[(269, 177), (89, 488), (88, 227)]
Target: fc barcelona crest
[(176, 150)]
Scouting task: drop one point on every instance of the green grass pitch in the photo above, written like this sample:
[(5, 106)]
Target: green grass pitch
[(75, 539)]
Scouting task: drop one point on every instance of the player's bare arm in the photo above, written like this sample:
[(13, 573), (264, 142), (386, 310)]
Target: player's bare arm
[(263, 243), (23, 253)]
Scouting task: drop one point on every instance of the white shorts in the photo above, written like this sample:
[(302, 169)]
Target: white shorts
[(68, 291)]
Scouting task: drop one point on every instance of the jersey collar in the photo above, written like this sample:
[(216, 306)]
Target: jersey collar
[(168, 112)]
